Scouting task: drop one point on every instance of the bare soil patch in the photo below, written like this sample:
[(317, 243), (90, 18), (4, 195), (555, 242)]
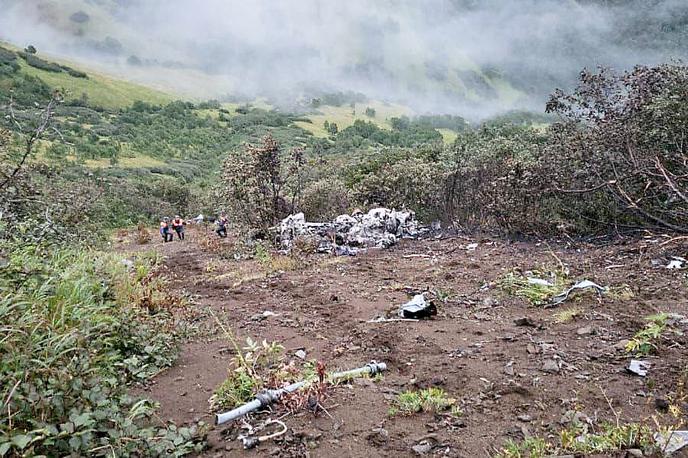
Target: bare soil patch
[(511, 380)]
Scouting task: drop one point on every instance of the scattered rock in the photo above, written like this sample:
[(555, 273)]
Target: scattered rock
[(378, 437), (621, 345), (585, 331), (551, 366), (509, 368), (525, 418), (490, 302), (634, 452), (482, 316), (422, 448), (524, 321), (661, 404), (300, 354)]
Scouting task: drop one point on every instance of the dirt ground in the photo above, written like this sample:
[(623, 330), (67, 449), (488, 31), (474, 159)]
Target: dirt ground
[(510, 380)]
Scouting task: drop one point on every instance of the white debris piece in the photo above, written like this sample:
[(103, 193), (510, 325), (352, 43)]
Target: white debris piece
[(585, 284), (676, 263), (671, 442), (379, 228), (638, 367), (539, 281)]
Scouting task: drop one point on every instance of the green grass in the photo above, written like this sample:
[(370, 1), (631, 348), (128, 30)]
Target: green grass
[(644, 342), (519, 285), (136, 162), (566, 315), (426, 400), (101, 90), (344, 117), (448, 135), (78, 327), (609, 439)]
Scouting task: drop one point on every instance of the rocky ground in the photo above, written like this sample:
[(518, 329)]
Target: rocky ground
[(516, 370)]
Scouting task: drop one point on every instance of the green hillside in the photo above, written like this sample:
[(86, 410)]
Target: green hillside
[(100, 90)]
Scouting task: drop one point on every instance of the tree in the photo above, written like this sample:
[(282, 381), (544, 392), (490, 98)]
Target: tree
[(370, 112), (623, 137), (262, 184)]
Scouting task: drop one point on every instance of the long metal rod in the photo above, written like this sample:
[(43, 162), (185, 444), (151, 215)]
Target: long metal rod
[(270, 396)]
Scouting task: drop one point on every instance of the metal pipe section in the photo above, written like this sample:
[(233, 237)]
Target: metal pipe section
[(269, 396)]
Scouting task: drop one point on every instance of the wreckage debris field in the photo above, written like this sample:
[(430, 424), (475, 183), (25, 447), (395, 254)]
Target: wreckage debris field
[(515, 369)]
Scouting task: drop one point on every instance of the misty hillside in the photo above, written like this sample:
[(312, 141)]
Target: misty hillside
[(451, 56)]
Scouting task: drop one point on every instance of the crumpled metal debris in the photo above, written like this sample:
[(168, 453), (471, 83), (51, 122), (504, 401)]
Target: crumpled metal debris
[(671, 442), (585, 284), (348, 234), (638, 367), (676, 263), (418, 308)]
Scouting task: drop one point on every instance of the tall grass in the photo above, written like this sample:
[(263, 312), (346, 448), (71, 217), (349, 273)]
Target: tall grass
[(72, 336)]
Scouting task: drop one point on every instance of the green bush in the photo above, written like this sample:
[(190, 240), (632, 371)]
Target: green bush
[(8, 61), (72, 340), (325, 199), (41, 64)]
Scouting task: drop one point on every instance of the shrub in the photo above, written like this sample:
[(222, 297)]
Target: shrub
[(409, 183), (8, 61), (262, 184), (325, 199), (41, 64), (72, 341), (433, 400), (620, 145)]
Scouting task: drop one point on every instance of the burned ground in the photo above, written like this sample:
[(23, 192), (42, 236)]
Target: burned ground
[(512, 378)]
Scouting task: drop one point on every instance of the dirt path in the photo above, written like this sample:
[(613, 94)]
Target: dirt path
[(510, 380)]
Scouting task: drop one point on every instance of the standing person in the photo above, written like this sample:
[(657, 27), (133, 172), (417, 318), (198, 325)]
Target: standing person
[(178, 226), (222, 225), (165, 230)]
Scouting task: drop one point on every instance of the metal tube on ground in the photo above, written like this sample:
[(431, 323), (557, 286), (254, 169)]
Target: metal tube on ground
[(270, 396)]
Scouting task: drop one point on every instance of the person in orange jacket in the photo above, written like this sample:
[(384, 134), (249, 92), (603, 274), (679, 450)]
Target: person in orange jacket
[(178, 226), (165, 230)]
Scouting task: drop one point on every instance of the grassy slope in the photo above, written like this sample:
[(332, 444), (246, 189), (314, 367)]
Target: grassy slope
[(344, 117), (114, 93), (100, 89)]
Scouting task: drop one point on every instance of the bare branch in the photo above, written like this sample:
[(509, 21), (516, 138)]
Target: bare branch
[(45, 118)]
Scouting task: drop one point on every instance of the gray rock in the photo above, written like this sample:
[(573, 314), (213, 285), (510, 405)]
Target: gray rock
[(585, 331), (422, 448), (524, 321), (489, 302), (300, 354), (551, 366), (634, 452)]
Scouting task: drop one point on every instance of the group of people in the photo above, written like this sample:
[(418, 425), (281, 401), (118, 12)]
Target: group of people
[(177, 225), (167, 226)]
